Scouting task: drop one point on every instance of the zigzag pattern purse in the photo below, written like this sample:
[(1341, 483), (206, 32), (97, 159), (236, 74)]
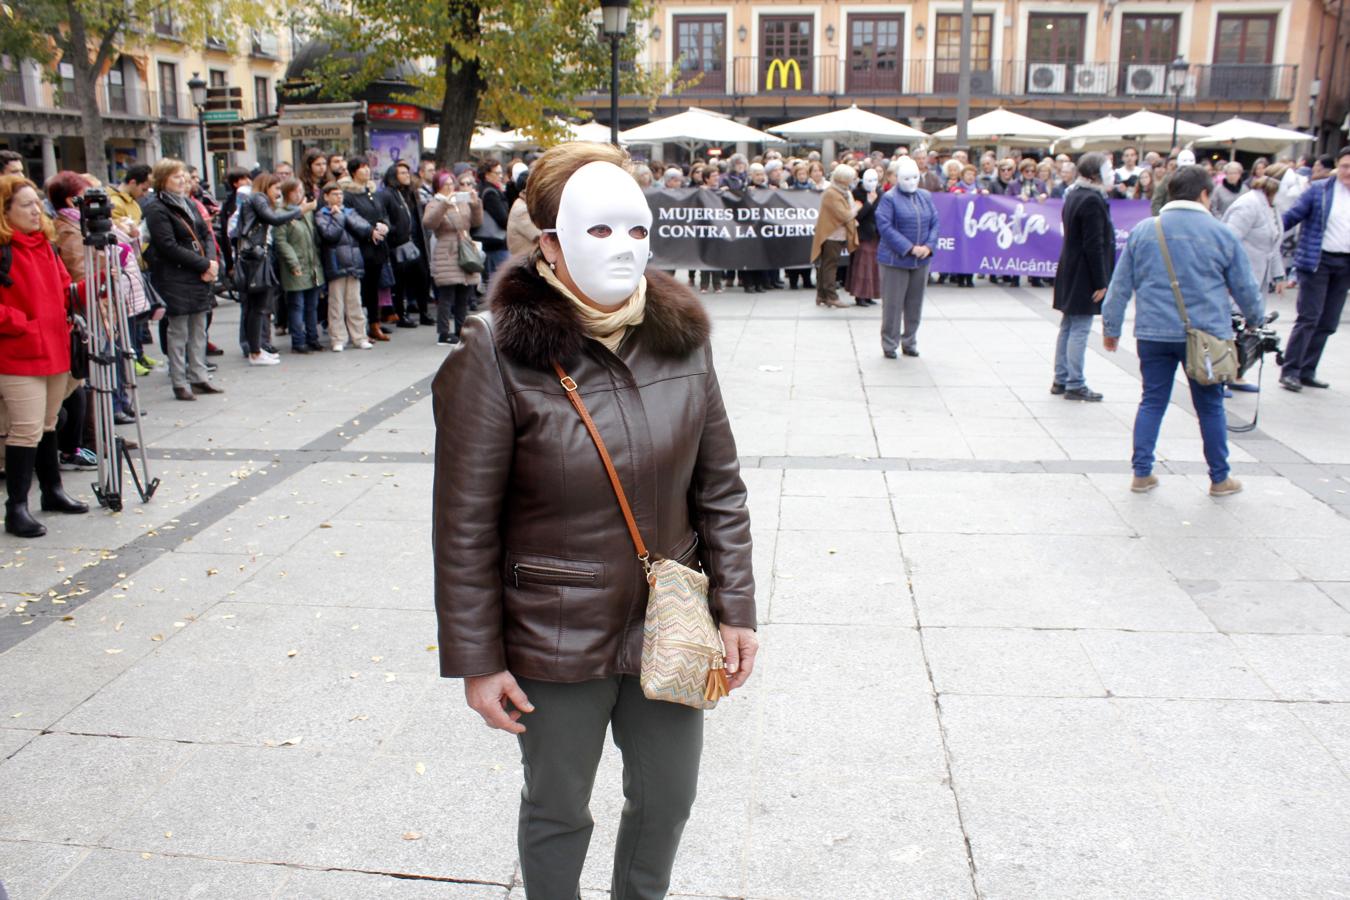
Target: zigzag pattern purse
[(683, 660)]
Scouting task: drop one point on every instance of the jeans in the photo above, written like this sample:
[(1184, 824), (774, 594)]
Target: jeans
[(1321, 300), (255, 319), (1158, 361), (660, 743), (304, 317), (1070, 351), (495, 260)]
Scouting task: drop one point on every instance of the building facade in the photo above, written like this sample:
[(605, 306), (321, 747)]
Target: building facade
[(1064, 61), (147, 108)]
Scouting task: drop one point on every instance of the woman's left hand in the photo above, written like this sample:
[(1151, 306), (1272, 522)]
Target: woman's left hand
[(741, 645)]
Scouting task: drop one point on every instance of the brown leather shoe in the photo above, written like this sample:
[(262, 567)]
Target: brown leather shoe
[(184, 393), (377, 334), (1226, 487), (206, 387)]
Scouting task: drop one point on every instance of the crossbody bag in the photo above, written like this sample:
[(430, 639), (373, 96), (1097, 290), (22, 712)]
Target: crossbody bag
[(683, 659), (1210, 359)]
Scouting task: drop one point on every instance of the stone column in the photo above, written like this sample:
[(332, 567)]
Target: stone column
[(48, 158)]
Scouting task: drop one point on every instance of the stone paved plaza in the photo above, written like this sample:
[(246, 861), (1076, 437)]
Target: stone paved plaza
[(989, 670)]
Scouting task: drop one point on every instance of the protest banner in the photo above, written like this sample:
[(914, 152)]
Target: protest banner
[(759, 228)]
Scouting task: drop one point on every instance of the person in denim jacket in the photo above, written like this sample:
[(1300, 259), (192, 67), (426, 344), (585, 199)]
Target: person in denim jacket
[(1210, 266)]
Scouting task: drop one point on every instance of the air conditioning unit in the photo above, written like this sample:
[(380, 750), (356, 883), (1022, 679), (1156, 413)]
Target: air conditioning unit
[(1092, 78), (982, 82), (1046, 78), (1146, 81)]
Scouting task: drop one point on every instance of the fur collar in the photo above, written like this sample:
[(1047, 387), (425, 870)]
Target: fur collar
[(534, 325)]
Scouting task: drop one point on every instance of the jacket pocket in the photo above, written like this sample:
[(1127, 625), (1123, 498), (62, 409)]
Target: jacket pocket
[(686, 554), (546, 570), (26, 345)]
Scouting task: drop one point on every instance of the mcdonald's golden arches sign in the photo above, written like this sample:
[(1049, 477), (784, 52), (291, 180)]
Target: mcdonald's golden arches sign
[(784, 67)]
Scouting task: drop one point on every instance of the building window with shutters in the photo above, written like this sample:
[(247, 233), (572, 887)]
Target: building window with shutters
[(786, 48), (874, 53), (262, 97), (947, 59), (168, 91), (1054, 49), (1244, 50), (700, 53)]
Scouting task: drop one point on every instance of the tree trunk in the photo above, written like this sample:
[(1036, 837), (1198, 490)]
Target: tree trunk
[(464, 88), (459, 111), (86, 91)]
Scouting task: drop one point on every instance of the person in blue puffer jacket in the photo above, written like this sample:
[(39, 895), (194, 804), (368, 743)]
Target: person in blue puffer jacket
[(341, 231), (907, 224)]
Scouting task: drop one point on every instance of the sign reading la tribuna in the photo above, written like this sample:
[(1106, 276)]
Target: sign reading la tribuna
[(760, 228)]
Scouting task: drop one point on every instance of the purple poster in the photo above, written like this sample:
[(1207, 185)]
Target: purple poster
[(389, 146), (993, 235)]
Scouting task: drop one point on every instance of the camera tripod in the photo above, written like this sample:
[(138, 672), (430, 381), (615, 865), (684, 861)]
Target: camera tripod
[(111, 354)]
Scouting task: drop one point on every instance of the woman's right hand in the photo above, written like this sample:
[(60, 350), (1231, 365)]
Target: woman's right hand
[(488, 695), (210, 274)]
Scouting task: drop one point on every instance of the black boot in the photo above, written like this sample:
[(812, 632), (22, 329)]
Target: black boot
[(18, 479), (48, 467)]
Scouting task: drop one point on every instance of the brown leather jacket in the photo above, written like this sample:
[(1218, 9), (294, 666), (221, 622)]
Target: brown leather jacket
[(535, 570)]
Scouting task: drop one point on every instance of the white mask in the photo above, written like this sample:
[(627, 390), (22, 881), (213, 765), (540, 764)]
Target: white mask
[(1108, 175), (907, 175), (1185, 158), (604, 228), (869, 180)]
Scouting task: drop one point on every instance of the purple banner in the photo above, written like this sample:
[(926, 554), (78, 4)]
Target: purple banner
[(988, 234)]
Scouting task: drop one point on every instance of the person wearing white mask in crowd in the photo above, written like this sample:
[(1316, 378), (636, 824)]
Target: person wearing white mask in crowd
[(907, 228), (540, 592), (864, 280)]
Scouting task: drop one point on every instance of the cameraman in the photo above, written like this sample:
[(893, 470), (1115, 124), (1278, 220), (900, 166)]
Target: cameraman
[(1210, 265)]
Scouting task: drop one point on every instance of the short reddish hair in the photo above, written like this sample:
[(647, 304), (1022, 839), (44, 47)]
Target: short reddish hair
[(64, 185)]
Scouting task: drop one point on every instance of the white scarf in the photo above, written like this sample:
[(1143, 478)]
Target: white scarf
[(609, 328)]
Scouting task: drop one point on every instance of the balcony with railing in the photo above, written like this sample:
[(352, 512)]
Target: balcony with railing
[(751, 76)]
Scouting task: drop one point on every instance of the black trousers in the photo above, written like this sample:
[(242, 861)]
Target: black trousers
[(370, 292), (1321, 301), (452, 305)]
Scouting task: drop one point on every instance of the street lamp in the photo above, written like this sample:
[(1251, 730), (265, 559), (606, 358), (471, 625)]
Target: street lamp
[(614, 24), (1176, 80), (197, 88)]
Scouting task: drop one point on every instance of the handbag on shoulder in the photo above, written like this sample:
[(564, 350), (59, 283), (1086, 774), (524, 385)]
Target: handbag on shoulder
[(1210, 359), (683, 660)]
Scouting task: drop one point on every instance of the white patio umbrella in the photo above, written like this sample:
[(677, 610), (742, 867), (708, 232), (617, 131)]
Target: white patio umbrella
[(1145, 129), (1003, 126), (1076, 136), (696, 126), (484, 140), (590, 131), (1243, 134), (852, 125)]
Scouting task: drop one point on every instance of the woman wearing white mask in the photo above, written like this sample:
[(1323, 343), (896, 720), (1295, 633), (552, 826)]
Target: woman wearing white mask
[(864, 281), (540, 597), (907, 225)]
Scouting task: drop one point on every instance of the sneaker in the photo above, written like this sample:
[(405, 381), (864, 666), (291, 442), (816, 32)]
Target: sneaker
[(82, 458), (150, 361), (262, 359), (142, 370), (270, 354), (364, 345), (1142, 484), (337, 348), (1229, 485)]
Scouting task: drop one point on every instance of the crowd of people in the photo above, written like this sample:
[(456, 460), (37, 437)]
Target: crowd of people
[(337, 256), (330, 257)]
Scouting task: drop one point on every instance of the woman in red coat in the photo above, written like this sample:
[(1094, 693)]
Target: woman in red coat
[(34, 355)]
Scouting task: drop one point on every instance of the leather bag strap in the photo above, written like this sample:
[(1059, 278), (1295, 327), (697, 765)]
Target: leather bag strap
[(1171, 273), (574, 396)]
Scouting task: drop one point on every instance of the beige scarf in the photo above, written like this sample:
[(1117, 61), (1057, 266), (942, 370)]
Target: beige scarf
[(609, 328)]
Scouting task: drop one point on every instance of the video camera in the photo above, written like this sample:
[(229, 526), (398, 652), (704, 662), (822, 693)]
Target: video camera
[(1255, 341), (96, 218)]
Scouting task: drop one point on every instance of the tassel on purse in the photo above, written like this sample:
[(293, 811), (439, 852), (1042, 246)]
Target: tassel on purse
[(683, 659)]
